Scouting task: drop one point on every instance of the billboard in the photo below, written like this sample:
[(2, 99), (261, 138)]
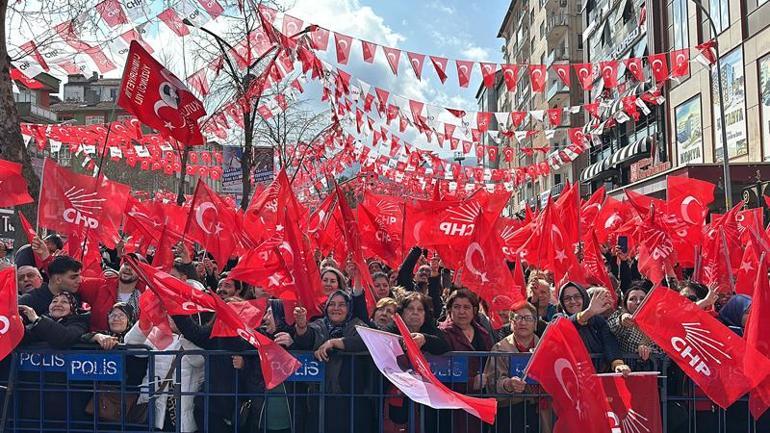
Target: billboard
[(689, 131), (232, 175), (263, 164), (733, 88)]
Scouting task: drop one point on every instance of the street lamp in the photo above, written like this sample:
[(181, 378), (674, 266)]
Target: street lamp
[(723, 120)]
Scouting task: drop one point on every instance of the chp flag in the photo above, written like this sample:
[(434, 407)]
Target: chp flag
[(159, 99), (634, 402), (409, 371), (72, 203), (11, 326), (714, 357)]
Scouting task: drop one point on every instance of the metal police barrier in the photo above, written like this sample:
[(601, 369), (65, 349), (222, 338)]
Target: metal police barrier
[(46, 390)]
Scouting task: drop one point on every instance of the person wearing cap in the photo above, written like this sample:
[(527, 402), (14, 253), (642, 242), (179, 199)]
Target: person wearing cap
[(586, 314)]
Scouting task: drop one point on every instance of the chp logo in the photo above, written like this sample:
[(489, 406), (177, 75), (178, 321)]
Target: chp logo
[(461, 220), (698, 348), (633, 422), (84, 207)]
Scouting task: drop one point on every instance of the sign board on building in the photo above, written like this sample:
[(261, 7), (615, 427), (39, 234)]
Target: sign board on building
[(644, 168), (733, 89), (689, 131), (7, 227)]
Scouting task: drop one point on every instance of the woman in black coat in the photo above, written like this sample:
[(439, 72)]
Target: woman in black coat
[(336, 332), (61, 328)]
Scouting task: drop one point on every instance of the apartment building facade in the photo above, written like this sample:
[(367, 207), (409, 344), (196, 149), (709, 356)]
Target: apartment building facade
[(542, 32)]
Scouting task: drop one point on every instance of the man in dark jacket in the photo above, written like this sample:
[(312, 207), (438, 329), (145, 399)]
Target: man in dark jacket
[(63, 276)]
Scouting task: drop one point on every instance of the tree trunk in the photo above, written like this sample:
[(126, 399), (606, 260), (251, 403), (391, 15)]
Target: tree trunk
[(182, 176), (248, 156), (11, 142)]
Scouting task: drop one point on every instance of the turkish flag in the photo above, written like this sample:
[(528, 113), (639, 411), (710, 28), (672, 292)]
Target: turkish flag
[(178, 297), (510, 73), (276, 363), (342, 45), (485, 272), (73, 203), (214, 9), (212, 223), (416, 60), (29, 231), (562, 366), (154, 320), (746, 274), (537, 78), (488, 73), (659, 66), (112, 12), (12, 328), (392, 55), (159, 99), (352, 236), (757, 335), (439, 64), (688, 199), (585, 74), (594, 265), (297, 256), (609, 73), (634, 402), (464, 71), (634, 66), (562, 70), (589, 210), (680, 62), (517, 117), (13, 186), (554, 116), (368, 49), (714, 357)]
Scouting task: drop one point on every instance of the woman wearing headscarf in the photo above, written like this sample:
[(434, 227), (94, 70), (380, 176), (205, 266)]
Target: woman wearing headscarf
[(336, 331), (586, 314), (514, 414), (623, 327), (120, 319), (463, 333), (63, 325)]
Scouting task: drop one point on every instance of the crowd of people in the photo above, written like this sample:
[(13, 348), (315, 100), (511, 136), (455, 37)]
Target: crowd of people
[(64, 310)]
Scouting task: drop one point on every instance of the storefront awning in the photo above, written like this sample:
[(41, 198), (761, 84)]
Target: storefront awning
[(594, 170), (631, 152)]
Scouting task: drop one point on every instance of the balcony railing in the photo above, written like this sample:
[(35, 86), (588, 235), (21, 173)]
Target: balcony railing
[(554, 21), (32, 109)]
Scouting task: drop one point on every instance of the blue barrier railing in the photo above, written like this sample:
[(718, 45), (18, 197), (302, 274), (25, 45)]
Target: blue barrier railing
[(93, 390)]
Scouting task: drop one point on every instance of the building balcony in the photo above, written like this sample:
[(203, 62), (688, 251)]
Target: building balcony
[(559, 54), (556, 25), (33, 113), (556, 88), (551, 5)]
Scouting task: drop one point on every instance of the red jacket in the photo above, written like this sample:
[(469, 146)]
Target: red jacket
[(101, 294)]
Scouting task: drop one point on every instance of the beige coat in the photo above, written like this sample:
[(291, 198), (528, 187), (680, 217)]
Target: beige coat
[(497, 371)]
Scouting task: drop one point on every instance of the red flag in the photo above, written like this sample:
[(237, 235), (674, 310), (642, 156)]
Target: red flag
[(745, 276), (482, 408), (212, 223), (159, 99), (757, 334), (680, 62), (353, 240), (154, 320), (688, 198), (634, 402), (213, 8), (72, 203), (178, 297), (13, 186), (392, 55), (585, 74), (368, 49), (554, 116), (305, 276), (199, 82), (439, 64), (488, 73), (464, 71), (174, 22), (342, 45), (510, 73), (562, 70), (11, 326), (634, 66), (416, 60), (656, 249), (609, 73), (659, 66), (112, 12), (320, 39), (712, 355), (594, 266), (381, 219), (484, 271), (562, 366), (537, 78), (29, 231), (276, 363)]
